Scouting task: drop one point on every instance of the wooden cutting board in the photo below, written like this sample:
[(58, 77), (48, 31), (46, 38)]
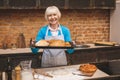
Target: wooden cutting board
[(88, 74), (105, 43), (84, 73)]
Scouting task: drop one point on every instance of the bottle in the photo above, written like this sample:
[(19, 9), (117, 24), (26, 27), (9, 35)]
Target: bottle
[(21, 41), (4, 46), (17, 73), (4, 76), (9, 70)]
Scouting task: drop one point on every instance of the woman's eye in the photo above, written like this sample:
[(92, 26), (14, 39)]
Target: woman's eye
[(49, 15), (54, 14)]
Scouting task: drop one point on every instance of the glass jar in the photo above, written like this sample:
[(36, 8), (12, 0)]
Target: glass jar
[(26, 73)]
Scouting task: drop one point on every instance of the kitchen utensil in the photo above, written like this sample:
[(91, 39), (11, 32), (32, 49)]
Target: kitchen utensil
[(42, 73), (79, 74), (21, 41)]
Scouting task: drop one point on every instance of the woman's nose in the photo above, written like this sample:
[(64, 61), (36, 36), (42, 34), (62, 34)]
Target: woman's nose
[(52, 16)]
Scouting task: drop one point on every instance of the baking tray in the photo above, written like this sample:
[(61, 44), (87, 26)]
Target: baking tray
[(32, 44)]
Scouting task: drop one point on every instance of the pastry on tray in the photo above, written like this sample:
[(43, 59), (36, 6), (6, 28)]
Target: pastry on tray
[(60, 43), (42, 43), (53, 43), (67, 44), (87, 68)]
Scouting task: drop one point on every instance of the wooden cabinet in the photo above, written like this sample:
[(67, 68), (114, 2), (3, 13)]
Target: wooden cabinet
[(82, 56), (46, 3), (108, 54), (1, 4), (92, 4), (102, 54), (22, 4), (15, 59), (104, 4), (3, 63), (62, 4), (80, 4)]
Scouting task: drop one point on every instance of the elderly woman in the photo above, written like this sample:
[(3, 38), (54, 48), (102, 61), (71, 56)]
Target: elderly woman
[(54, 30)]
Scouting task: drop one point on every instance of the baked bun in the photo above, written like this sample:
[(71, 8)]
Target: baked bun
[(42, 43), (88, 68), (67, 44), (60, 43)]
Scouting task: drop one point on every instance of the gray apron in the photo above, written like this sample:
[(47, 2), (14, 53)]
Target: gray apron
[(53, 57)]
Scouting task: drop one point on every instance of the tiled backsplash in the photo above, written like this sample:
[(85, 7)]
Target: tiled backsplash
[(90, 25)]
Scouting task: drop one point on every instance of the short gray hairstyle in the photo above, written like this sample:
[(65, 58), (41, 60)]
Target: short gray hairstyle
[(51, 10)]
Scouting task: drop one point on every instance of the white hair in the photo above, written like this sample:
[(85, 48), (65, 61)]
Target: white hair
[(52, 10)]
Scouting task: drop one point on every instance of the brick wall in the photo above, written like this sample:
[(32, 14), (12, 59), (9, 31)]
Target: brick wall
[(90, 25)]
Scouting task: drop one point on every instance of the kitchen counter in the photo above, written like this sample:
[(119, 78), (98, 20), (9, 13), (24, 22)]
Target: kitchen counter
[(17, 51), (90, 54), (93, 46), (68, 73), (28, 50)]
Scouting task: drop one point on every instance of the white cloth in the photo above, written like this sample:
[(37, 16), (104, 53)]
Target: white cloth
[(54, 32)]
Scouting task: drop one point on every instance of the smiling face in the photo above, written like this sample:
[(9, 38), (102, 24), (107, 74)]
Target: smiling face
[(52, 15), (53, 19)]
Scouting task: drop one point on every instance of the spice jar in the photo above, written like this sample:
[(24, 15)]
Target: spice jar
[(17, 73), (13, 46)]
